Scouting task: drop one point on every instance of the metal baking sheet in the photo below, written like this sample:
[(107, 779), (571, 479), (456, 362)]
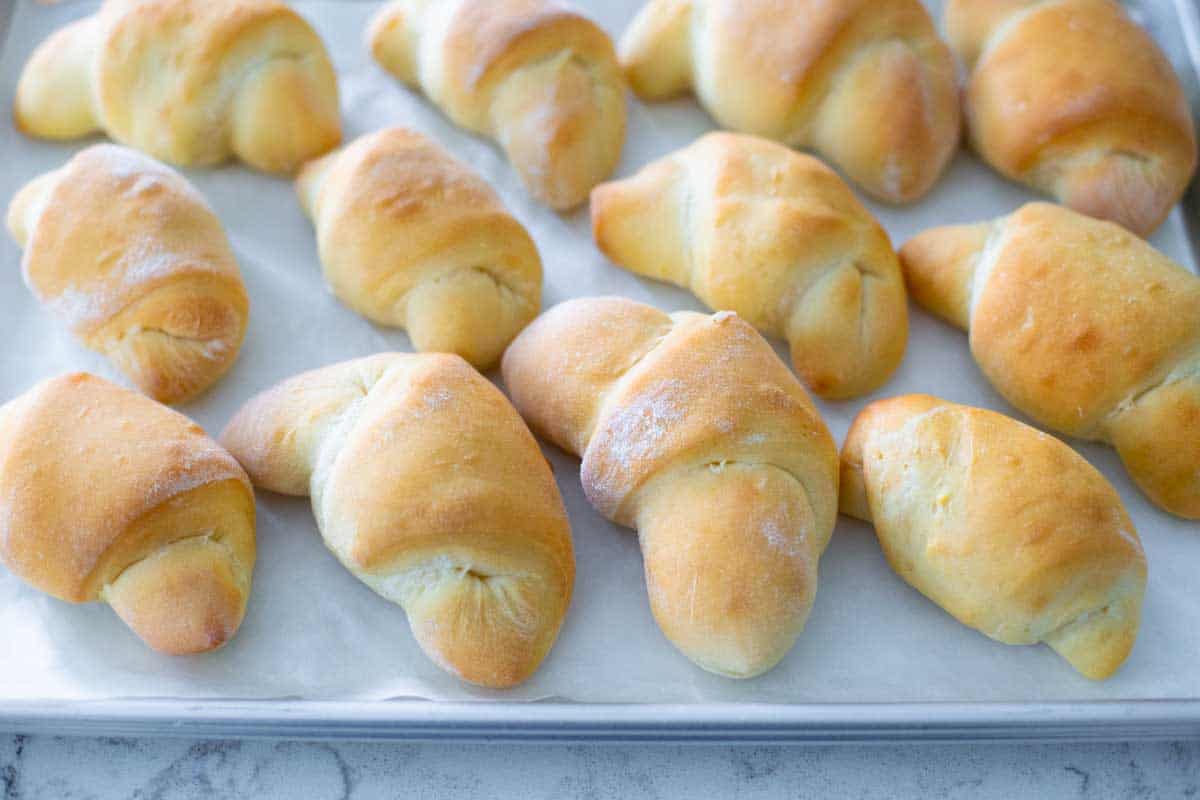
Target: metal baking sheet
[(721, 714)]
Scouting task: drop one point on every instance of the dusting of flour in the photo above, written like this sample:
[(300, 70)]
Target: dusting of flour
[(635, 433), (140, 259)]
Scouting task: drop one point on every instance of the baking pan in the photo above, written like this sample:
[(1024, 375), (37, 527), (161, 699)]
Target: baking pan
[(1176, 24)]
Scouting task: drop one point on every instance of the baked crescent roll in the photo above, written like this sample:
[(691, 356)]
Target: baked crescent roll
[(533, 75), (1073, 98), (753, 227), (410, 237), (427, 486), (192, 82), (125, 252), (107, 495), (1082, 326), (866, 83), (693, 432), (1006, 528)]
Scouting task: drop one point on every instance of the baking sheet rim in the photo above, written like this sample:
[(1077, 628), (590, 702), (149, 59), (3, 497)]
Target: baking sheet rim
[(550, 721)]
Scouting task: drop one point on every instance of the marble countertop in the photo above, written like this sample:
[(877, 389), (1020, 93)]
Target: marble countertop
[(46, 768)]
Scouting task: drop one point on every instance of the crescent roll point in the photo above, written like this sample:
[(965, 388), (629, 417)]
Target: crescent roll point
[(1006, 528), (107, 495), (1084, 327), (125, 252), (865, 83), (533, 75), (191, 82), (1074, 99), (410, 237), (753, 227), (428, 487), (692, 431)]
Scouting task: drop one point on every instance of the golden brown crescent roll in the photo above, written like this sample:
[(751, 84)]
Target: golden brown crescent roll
[(133, 260), (428, 487), (1074, 99), (107, 495), (693, 432), (192, 82), (412, 238), (533, 75), (1006, 528), (753, 227), (866, 83), (1082, 326)]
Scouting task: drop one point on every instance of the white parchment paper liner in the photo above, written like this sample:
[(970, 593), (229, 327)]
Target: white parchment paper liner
[(313, 631)]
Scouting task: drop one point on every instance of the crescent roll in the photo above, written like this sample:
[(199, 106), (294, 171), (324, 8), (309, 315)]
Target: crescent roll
[(127, 254), (107, 495), (535, 76), (693, 432), (1006, 528), (753, 227), (1082, 326), (410, 237), (192, 82), (865, 83), (427, 486), (1073, 98)]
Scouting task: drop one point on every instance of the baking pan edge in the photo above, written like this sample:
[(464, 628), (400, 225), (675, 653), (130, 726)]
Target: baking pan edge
[(550, 722)]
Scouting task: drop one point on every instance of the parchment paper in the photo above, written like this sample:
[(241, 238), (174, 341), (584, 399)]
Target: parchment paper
[(313, 631)]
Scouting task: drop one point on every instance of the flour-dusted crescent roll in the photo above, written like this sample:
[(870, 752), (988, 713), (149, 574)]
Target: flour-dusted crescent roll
[(125, 252), (107, 495), (693, 432), (1082, 326), (866, 83), (1005, 527), (192, 82), (533, 75), (428, 487), (1074, 99), (412, 238), (753, 227)]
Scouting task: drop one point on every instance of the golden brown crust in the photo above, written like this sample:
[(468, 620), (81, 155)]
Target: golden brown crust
[(131, 257), (1075, 99), (190, 596), (485, 44), (1070, 335), (428, 487), (692, 431), (245, 78), (753, 227), (410, 237), (1006, 528), (969, 24), (535, 76), (108, 495), (1157, 437), (867, 83), (1084, 327)]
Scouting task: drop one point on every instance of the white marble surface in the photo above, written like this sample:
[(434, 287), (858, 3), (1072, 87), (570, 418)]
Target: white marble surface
[(45, 768)]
